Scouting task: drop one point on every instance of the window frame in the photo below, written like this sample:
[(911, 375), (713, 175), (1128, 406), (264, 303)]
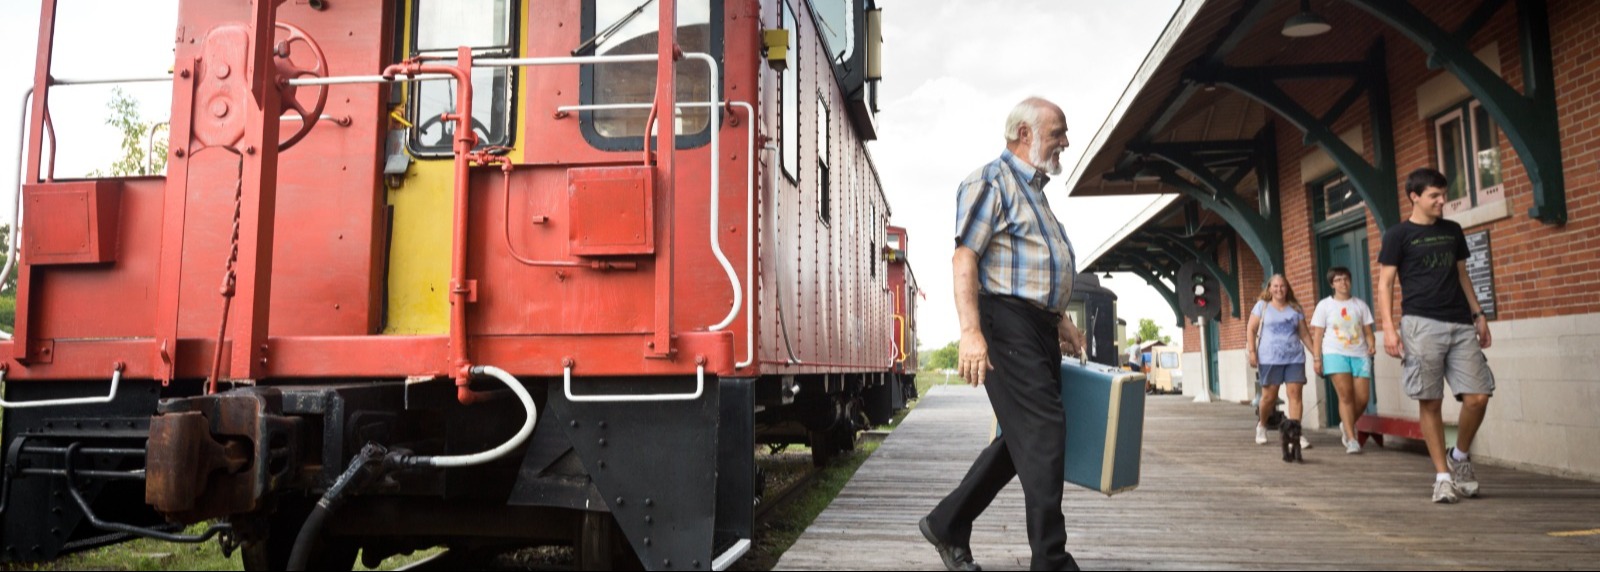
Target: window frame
[(413, 103), (824, 119), (586, 81), (789, 86), (1467, 141)]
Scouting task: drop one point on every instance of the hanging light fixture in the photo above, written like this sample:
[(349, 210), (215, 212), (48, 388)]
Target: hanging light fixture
[(1306, 23), (1108, 275)]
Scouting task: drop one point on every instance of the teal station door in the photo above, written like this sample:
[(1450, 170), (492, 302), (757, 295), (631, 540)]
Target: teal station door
[(1347, 247)]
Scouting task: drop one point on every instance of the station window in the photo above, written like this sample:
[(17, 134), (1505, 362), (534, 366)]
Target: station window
[(1334, 197), (790, 96), (439, 27), (824, 193), (627, 27), (1467, 151)]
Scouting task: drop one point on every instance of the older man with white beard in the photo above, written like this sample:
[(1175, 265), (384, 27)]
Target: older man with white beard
[(1014, 268)]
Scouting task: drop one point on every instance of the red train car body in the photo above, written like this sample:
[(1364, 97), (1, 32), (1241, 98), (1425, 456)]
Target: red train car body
[(654, 306)]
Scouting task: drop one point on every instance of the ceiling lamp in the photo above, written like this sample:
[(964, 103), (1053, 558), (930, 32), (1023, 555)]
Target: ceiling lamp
[(1306, 23)]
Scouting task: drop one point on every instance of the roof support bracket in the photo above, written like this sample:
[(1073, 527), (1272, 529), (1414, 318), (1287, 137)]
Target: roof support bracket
[(1375, 181), (1174, 245), (1260, 226), (1152, 277), (1528, 119)]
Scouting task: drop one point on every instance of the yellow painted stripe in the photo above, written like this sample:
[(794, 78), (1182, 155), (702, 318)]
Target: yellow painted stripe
[(1573, 533), (1109, 461)]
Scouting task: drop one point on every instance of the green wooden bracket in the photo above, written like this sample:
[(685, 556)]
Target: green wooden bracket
[(1528, 119), (1374, 181), (1175, 244), (1154, 280), (1261, 228)]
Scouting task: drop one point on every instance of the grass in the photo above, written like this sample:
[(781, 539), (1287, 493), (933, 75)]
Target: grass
[(146, 554)]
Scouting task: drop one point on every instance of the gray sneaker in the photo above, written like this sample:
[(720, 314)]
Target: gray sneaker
[(1461, 471), (1444, 492)]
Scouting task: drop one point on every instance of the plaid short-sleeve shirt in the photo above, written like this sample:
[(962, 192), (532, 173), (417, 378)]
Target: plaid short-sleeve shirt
[(1023, 250)]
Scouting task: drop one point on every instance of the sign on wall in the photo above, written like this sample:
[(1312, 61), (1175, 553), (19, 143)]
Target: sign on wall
[(1480, 268)]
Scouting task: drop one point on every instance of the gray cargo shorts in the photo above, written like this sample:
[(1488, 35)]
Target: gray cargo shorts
[(1436, 351)]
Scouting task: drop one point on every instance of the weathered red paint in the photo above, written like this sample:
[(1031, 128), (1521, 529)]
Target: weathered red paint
[(158, 309)]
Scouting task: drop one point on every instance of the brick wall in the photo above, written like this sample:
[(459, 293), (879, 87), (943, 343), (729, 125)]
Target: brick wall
[(1540, 270)]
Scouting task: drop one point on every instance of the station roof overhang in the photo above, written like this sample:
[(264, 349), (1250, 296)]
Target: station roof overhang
[(1198, 122)]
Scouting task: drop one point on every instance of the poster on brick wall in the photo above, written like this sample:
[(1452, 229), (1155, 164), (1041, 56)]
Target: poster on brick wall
[(1480, 268)]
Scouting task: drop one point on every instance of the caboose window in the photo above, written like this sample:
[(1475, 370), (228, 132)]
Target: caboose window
[(791, 100), (824, 198), (836, 20), (699, 30), (439, 27)]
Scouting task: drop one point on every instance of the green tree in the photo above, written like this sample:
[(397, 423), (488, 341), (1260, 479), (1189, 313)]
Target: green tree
[(1148, 330), (8, 288), (944, 358), (140, 156)]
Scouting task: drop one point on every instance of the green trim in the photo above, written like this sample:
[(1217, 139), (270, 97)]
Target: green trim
[(1375, 182)]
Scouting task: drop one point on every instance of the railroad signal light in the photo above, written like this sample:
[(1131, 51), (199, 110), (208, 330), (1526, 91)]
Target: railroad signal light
[(1194, 278)]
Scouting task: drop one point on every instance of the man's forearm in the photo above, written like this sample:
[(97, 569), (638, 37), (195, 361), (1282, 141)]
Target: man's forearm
[(965, 269)]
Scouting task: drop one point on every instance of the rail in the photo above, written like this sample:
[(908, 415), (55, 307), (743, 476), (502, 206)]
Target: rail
[(116, 380), (699, 389)]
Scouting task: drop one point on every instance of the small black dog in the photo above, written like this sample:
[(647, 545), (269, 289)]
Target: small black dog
[(1290, 431)]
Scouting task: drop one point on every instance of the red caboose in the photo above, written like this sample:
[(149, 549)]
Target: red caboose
[(468, 272)]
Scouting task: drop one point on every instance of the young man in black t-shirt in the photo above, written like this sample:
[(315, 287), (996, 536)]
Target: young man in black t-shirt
[(1443, 332)]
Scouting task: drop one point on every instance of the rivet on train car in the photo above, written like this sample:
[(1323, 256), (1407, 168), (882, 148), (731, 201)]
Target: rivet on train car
[(602, 442), (666, 562), (619, 501), (602, 464), (573, 424), (648, 502), (263, 361), (602, 425), (184, 74), (647, 541), (249, 149), (220, 109), (179, 152), (336, 306), (222, 71), (694, 564), (649, 519)]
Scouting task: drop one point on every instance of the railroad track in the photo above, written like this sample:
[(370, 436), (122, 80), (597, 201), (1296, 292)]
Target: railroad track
[(452, 560)]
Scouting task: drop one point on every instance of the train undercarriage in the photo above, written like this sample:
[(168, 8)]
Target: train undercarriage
[(662, 485)]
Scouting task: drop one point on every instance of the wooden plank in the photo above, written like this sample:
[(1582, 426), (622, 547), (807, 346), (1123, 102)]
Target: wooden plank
[(1209, 499)]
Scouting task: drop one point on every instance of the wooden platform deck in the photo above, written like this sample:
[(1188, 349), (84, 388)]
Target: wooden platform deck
[(1210, 498)]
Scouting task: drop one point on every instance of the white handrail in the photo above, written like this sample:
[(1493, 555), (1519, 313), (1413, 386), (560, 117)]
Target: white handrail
[(699, 390), (734, 553), (750, 211), (116, 380)]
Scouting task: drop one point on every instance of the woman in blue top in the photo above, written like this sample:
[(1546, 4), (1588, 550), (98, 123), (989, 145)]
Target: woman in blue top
[(1278, 340)]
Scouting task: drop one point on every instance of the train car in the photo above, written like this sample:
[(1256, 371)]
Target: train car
[(1094, 309), (467, 273), (903, 294)]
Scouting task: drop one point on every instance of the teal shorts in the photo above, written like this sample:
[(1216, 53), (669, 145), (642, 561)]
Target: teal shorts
[(1355, 366)]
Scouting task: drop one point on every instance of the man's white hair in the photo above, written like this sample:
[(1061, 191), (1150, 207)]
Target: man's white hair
[(1030, 111)]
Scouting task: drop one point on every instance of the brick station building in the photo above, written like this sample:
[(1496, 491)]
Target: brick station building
[(1287, 154)]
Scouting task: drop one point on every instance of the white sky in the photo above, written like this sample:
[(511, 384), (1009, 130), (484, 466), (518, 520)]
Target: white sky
[(953, 69)]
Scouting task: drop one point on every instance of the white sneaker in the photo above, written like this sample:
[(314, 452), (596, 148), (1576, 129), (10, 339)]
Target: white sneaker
[(1352, 447), (1444, 492), (1261, 434), (1466, 479), (1304, 442)]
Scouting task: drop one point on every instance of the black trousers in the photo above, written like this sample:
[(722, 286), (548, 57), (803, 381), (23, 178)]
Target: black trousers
[(1025, 390)]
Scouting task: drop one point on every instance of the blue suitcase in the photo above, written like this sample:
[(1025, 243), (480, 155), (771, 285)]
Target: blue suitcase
[(1105, 425)]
